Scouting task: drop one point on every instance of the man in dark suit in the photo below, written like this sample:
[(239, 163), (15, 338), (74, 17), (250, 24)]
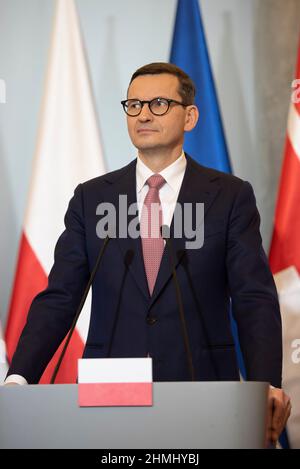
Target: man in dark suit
[(134, 309)]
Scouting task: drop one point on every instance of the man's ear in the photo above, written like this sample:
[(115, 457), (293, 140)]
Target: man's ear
[(191, 118)]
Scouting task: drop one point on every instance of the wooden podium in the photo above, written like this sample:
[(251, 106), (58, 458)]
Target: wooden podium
[(184, 415)]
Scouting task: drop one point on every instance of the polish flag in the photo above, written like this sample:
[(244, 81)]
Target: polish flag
[(68, 152), (285, 258), (115, 382)]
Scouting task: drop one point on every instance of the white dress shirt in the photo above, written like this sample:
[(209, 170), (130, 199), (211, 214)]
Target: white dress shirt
[(168, 195)]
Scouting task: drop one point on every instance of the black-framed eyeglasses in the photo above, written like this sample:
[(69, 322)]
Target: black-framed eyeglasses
[(158, 106)]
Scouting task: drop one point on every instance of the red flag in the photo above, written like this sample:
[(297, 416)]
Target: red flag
[(68, 152)]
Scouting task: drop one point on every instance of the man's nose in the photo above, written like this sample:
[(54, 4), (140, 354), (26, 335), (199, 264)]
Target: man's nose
[(145, 114)]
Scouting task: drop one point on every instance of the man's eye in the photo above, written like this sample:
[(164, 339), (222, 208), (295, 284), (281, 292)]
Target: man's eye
[(160, 103), (134, 105)]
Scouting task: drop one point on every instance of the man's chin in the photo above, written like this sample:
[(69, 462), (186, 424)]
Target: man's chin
[(148, 149)]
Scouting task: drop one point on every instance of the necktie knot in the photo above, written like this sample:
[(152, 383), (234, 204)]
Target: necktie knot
[(156, 181)]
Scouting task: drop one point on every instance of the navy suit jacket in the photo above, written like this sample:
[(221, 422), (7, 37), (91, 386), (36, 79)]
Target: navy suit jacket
[(231, 267)]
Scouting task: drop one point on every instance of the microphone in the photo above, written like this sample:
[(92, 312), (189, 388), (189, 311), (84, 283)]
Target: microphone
[(165, 233), (85, 294)]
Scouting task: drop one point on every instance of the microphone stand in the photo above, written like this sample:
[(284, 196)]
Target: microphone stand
[(165, 235), (85, 294)]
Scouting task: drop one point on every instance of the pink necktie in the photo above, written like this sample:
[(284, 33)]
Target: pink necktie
[(151, 222)]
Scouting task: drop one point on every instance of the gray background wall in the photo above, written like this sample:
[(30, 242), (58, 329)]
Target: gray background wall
[(253, 48)]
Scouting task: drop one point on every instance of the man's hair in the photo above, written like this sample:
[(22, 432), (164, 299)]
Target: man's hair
[(186, 89)]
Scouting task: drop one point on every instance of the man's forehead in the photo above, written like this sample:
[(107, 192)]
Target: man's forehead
[(151, 86)]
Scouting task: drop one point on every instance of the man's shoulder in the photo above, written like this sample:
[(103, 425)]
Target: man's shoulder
[(211, 174), (107, 178)]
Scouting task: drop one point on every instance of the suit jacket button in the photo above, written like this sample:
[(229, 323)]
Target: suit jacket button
[(151, 320)]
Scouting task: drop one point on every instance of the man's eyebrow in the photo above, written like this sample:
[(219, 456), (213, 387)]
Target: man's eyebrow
[(155, 97)]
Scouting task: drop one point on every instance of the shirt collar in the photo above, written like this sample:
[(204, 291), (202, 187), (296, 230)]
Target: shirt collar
[(172, 173)]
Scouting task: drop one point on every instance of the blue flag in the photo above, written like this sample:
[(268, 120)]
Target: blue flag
[(206, 143)]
